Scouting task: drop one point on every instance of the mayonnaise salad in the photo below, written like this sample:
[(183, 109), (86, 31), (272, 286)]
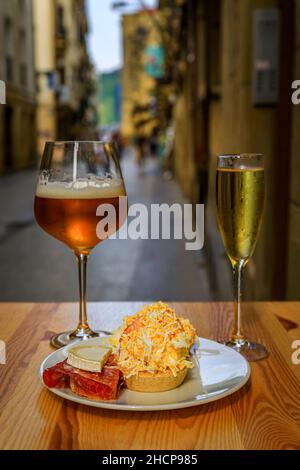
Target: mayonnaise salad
[(152, 340)]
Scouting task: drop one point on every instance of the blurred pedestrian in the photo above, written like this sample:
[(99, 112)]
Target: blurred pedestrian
[(154, 142), (140, 143), (118, 139)]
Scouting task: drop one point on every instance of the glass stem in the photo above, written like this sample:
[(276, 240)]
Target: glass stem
[(82, 262), (83, 329), (238, 335)]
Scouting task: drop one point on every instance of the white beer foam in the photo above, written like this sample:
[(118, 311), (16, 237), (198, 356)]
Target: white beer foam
[(81, 189)]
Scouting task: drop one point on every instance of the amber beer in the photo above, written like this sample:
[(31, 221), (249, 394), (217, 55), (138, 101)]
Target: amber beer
[(69, 214)]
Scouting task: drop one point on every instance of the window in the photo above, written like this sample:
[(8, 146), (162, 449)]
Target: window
[(8, 35), (62, 75), (22, 43), (23, 75), (22, 6), (8, 50), (23, 49), (61, 31), (9, 69)]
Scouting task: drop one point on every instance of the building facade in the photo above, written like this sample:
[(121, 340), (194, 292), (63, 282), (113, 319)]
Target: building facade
[(45, 64), (141, 34), (232, 74), (17, 117), (64, 71)]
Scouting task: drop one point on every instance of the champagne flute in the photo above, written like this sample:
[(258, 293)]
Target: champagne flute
[(240, 201), (75, 179)]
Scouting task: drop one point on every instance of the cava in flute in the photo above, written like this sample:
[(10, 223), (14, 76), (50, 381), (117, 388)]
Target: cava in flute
[(240, 200)]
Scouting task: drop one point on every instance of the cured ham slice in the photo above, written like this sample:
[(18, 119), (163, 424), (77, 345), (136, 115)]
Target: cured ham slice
[(58, 376), (102, 385)]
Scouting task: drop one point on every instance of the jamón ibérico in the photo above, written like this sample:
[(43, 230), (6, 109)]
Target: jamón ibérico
[(102, 385)]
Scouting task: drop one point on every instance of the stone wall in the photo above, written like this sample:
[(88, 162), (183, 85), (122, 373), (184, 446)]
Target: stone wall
[(293, 284), (243, 127), (17, 117), (236, 125)]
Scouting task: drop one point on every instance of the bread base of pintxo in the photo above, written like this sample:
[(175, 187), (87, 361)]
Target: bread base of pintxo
[(157, 382)]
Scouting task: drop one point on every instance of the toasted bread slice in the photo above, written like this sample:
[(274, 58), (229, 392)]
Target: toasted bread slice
[(158, 382)]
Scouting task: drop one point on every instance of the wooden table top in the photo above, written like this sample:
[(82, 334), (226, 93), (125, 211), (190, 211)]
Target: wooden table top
[(265, 414)]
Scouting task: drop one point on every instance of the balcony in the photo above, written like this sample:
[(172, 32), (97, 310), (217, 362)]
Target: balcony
[(61, 32), (61, 41)]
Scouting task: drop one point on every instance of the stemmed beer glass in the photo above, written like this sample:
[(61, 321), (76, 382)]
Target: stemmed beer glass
[(240, 201), (75, 179)]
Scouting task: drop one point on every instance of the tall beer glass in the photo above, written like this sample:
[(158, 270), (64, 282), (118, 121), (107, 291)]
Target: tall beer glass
[(240, 201), (75, 179)]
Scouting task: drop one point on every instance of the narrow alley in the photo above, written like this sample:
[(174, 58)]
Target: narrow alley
[(36, 267)]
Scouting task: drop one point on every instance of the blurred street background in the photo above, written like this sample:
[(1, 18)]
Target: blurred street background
[(174, 83), (45, 269)]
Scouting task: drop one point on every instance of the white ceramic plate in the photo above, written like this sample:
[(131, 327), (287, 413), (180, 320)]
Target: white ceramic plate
[(219, 371)]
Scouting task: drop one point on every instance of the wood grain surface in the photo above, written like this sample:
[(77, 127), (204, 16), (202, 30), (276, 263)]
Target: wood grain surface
[(265, 414)]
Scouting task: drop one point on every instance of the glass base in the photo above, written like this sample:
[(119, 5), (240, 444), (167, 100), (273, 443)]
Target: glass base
[(251, 351), (67, 337)]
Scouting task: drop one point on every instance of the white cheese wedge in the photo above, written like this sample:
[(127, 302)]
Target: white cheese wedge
[(88, 357)]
